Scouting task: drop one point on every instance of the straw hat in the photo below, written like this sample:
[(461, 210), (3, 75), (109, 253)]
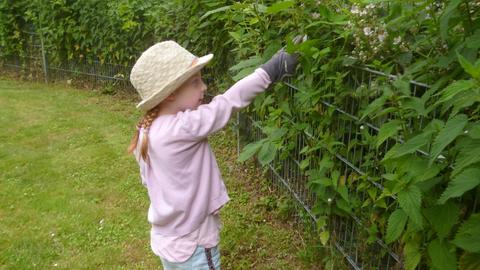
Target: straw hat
[(161, 69)]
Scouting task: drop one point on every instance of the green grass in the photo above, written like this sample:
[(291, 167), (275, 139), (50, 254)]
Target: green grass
[(71, 197)]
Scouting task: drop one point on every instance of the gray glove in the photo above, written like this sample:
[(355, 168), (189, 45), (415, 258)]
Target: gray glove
[(282, 64)]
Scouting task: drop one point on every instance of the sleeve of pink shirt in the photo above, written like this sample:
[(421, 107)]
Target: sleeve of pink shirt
[(209, 118)]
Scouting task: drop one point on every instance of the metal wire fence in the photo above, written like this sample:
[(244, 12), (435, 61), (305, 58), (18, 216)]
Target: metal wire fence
[(354, 158)]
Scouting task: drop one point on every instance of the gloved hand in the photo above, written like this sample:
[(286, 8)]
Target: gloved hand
[(282, 64)]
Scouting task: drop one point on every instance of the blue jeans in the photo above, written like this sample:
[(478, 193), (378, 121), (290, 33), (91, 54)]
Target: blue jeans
[(202, 259)]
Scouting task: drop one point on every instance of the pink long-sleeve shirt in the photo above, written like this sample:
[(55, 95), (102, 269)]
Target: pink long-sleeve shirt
[(183, 180)]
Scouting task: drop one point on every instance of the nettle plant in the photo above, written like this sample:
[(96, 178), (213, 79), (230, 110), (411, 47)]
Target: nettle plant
[(431, 168)]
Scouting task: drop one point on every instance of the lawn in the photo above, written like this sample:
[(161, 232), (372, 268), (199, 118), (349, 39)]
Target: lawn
[(71, 196)]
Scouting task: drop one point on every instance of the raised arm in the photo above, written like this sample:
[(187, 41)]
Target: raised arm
[(209, 118)]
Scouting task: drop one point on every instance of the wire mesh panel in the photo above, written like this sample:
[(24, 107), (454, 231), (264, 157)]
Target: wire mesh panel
[(29, 65), (36, 63), (357, 158), (92, 74)]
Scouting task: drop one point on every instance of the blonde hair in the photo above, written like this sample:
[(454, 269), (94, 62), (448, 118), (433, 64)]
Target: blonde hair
[(145, 123)]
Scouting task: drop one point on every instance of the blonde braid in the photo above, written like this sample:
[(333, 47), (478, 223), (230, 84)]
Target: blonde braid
[(144, 123)]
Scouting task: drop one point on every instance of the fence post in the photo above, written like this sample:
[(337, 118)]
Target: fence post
[(44, 60)]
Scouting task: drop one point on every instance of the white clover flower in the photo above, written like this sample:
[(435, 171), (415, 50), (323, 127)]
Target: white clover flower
[(367, 31), (397, 40)]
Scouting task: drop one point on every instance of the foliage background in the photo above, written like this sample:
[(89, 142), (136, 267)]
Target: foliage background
[(432, 174)]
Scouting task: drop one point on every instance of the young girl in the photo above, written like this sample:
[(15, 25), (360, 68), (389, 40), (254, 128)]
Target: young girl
[(177, 166)]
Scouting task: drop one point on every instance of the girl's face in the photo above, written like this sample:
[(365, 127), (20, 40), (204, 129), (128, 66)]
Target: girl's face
[(190, 94)]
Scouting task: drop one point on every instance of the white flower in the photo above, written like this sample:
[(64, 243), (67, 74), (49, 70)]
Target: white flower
[(315, 15), (355, 9), (362, 127), (367, 31), (329, 200), (370, 6), (52, 235), (397, 40), (382, 36)]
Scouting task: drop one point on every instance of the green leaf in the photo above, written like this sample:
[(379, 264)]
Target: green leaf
[(374, 106), (236, 35), (324, 236), (463, 100), (468, 236), (408, 147), (267, 153), (474, 71), (463, 182), (280, 6), (474, 131), (252, 61), (304, 163), (441, 255), (410, 200), (442, 218), (250, 149), (446, 16), (467, 154), (452, 129), (469, 261), (454, 88), (396, 224), (412, 255), (343, 191), (416, 104), (210, 12), (244, 72), (388, 130)]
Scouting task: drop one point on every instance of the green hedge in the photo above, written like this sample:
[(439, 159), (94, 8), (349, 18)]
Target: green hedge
[(435, 214)]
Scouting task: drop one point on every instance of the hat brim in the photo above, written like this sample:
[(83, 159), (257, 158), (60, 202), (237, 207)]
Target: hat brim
[(170, 87)]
